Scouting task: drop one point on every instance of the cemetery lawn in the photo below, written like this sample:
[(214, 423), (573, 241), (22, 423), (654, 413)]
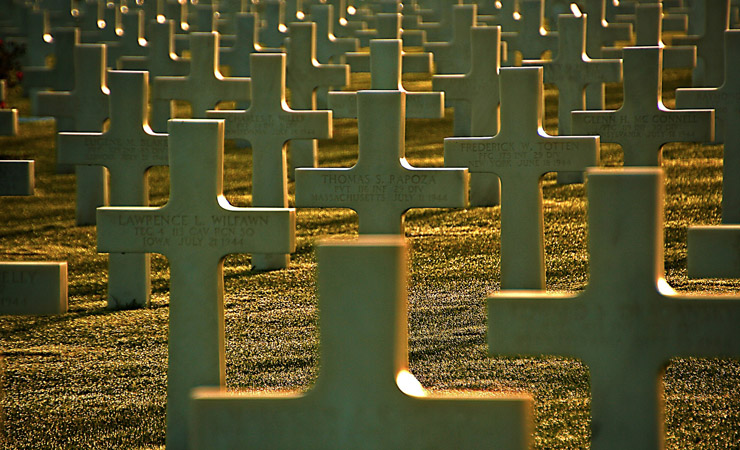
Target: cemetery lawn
[(95, 378)]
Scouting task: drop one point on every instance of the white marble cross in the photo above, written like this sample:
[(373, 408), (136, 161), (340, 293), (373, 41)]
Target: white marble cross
[(132, 23), (454, 56), (709, 46), (365, 396), (272, 15), (60, 76), (599, 34), (520, 154), (128, 149), (160, 60), (305, 76), (475, 98), (725, 100), (382, 186), (532, 40), (628, 323), (83, 108), (572, 70), (413, 62), (245, 43), (439, 25), (642, 125), (268, 124), (195, 230), (648, 32), (204, 87), (329, 48), (386, 58)]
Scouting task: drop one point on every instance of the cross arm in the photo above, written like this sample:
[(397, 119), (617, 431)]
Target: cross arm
[(535, 323), (228, 230), (56, 104)]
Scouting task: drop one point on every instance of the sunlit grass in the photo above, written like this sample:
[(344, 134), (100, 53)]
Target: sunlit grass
[(96, 379)]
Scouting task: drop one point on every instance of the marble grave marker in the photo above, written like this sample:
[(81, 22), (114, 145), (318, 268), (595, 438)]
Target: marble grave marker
[(267, 125), (628, 322), (17, 177), (160, 60), (382, 186), (83, 108), (127, 149), (475, 99), (8, 116), (204, 87), (454, 56), (386, 61), (725, 100), (532, 40), (306, 75), (365, 396), (33, 288), (195, 230), (643, 124), (571, 71), (709, 69), (520, 154)]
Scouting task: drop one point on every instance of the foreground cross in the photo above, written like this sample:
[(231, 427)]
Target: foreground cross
[(268, 124), (520, 154), (643, 125), (382, 186), (628, 322), (725, 100), (128, 149), (365, 396), (195, 230), (475, 98)]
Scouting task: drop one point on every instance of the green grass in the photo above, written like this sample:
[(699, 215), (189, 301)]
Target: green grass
[(94, 378)]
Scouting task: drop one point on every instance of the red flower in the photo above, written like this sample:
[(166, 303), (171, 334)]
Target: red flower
[(3, 105), (19, 75)]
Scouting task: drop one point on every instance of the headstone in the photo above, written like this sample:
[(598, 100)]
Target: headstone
[(599, 34), (195, 230), (305, 76), (16, 177), (127, 149), (39, 42), (130, 43), (416, 62), (84, 108), (382, 186), (365, 396), (571, 71), (272, 33), (8, 116), (475, 98), (236, 57), (204, 87), (643, 124), (267, 125), (441, 27), (160, 60), (385, 74), (725, 100), (709, 46), (508, 17), (344, 26), (33, 288), (454, 56), (628, 322), (59, 77), (648, 33), (329, 48), (520, 154), (532, 40)]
